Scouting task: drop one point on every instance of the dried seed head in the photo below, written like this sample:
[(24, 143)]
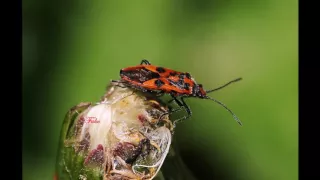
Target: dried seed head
[(120, 137)]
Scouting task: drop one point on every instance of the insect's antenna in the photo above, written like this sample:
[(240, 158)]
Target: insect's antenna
[(238, 79), (234, 116)]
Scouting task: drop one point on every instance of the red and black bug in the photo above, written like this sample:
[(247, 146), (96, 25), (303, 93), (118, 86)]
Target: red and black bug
[(160, 80)]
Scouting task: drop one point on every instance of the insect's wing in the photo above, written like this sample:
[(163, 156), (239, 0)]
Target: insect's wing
[(163, 72), (154, 78), (165, 85)]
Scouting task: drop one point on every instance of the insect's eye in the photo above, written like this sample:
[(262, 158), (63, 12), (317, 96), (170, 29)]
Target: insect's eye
[(200, 85)]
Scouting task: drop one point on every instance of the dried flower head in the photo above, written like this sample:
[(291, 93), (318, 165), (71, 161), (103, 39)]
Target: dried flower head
[(120, 137)]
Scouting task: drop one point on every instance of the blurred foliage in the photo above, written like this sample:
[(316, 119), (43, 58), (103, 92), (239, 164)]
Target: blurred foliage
[(72, 49)]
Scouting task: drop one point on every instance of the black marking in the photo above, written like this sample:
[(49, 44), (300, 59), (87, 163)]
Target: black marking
[(195, 89), (180, 82), (173, 92), (173, 73), (160, 70), (186, 86), (158, 83), (188, 75), (155, 75), (181, 76), (126, 73)]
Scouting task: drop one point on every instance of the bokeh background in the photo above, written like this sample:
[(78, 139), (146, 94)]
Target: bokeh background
[(72, 49)]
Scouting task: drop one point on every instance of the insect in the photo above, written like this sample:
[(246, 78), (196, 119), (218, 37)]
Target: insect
[(160, 80)]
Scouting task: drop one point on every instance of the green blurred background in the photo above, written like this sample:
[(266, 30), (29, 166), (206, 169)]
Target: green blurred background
[(72, 49)]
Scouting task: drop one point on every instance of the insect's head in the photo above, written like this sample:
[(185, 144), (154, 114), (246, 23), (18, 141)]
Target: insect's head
[(203, 94), (199, 91)]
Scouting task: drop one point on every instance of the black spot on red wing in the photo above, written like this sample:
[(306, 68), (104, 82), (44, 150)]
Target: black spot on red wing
[(173, 73), (158, 83), (160, 70), (188, 75), (181, 82), (186, 86), (155, 75)]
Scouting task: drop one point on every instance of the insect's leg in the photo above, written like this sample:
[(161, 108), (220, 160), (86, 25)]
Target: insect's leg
[(177, 101), (170, 101), (115, 81), (118, 83), (159, 94), (186, 107), (179, 104), (144, 61), (173, 110)]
